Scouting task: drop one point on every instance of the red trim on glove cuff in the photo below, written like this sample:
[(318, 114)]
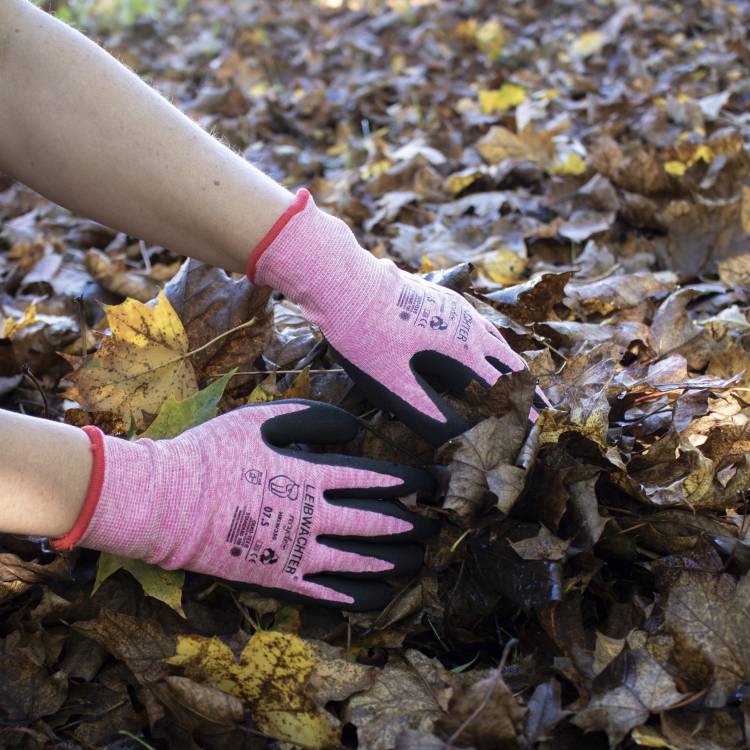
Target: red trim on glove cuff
[(93, 494), (300, 201)]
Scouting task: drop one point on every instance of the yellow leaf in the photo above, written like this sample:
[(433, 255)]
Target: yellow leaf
[(426, 265), (460, 180), (398, 63), (589, 43), (139, 366), (675, 168), (12, 326), (745, 210), (647, 736), (504, 267), (509, 95), (265, 391), (490, 38), (573, 164), (375, 168), (500, 144), (271, 677)]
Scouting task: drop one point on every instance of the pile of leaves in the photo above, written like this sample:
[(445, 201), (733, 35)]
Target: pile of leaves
[(580, 171)]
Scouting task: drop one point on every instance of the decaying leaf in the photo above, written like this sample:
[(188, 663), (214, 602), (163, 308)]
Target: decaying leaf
[(271, 678)]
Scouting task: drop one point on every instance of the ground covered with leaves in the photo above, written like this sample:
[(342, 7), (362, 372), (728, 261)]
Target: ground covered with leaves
[(581, 172)]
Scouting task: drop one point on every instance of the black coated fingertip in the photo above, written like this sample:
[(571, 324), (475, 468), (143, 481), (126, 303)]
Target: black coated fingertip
[(413, 479), (422, 526), (318, 424), (498, 365), (367, 595), (406, 558), (442, 372)]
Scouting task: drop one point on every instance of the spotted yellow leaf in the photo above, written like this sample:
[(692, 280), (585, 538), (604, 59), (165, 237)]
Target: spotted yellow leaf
[(271, 677)]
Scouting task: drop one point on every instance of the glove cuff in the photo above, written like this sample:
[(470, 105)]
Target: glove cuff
[(94, 492), (300, 201)]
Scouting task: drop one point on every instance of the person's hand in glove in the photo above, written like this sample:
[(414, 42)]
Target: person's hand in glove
[(396, 334), (236, 498)]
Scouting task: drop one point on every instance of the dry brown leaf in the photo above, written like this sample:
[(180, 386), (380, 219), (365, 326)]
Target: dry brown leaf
[(209, 302), (410, 692), (709, 617), (638, 687), (485, 715)]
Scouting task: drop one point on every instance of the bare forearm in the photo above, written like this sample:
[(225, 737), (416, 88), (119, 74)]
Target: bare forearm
[(83, 130), (44, 475)]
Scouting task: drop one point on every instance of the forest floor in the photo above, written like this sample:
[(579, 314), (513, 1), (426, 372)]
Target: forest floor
[(581, 171)]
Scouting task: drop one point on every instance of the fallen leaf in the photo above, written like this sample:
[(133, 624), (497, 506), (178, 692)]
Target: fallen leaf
[(544, 711), (709, 616), (210, 303), (410, 692), (161, 584), (137, 367), (636, 686), (271, 678), (507, 96), (484, 715), (484, 461)]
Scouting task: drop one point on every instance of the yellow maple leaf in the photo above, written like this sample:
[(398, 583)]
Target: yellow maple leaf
[(271, 677), (139, 366), (509, 95)]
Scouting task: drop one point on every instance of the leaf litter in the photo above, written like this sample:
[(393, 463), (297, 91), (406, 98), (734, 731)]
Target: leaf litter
[(582, 176)]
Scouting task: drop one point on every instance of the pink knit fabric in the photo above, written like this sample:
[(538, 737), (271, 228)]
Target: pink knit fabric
[(219, 500), (375, 315)]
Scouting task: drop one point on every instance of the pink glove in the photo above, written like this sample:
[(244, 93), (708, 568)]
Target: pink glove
[(229, 498), (396, 334)]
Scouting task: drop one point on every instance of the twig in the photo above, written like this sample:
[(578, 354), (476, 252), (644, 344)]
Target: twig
[(26, 370), (498, 676)]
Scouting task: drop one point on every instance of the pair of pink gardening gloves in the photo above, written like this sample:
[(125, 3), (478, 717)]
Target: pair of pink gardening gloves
[(243, 498)]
